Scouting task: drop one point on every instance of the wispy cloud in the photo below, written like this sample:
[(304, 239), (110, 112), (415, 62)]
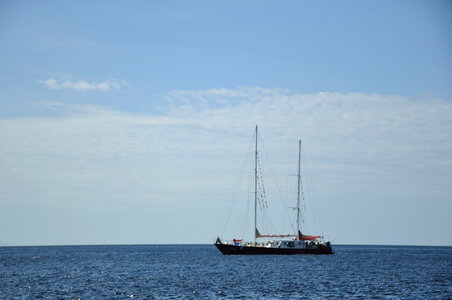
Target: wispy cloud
[(343, 133), (353, 128), (361, 147), (82, 85)]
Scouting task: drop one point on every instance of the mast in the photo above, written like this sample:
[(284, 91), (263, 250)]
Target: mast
[(255, 190), (299, 187)]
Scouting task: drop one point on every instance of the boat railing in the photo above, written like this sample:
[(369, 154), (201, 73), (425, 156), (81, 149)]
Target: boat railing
[(266, 244), (277, 244), (240, 242)]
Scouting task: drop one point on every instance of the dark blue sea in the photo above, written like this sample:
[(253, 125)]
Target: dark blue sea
[(202, 272)]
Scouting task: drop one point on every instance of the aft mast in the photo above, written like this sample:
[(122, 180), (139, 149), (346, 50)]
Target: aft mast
[(255, 190)]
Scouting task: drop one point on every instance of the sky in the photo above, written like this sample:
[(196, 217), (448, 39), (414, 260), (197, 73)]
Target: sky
[(131, 122)]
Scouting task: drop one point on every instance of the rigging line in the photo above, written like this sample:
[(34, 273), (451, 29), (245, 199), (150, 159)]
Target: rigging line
[(292, 193), (312, 199), (305, 219), (261, 183), (277, 185), (265, 217), (314, 190), (252, 185), (312, 216), (262, 197), (272, 227), (307, 201), (260, 202), (245, 166), (246, 217), (302, 217)]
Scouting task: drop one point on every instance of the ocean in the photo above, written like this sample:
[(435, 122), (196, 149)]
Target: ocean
[(202, 272)]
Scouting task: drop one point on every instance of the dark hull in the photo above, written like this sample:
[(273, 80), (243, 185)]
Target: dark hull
[(246, 250)]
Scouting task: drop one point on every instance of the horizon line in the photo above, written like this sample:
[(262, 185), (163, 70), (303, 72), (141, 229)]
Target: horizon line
[(204, 244)]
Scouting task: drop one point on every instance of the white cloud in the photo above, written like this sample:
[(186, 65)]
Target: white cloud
[(82, 85), (342, 131), (370, 155)]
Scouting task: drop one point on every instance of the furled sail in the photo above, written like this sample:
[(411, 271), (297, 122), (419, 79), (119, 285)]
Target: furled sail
[(303, 237)]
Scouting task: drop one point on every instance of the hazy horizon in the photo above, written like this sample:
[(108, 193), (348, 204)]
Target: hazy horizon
[(211, 244)]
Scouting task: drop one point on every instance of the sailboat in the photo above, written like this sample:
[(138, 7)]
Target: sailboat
[(297, 243)]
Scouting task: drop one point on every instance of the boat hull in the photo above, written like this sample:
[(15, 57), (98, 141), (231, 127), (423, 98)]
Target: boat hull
[(227, 249)]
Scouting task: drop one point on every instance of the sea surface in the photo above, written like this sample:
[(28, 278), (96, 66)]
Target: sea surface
[(202, 272)]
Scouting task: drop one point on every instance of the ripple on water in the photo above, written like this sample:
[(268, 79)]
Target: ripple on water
[(201, 272)]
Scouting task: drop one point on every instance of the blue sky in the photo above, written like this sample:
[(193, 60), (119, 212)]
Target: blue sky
[(129, 122)]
